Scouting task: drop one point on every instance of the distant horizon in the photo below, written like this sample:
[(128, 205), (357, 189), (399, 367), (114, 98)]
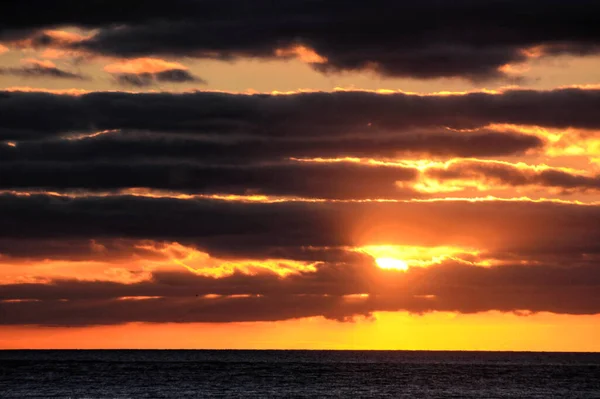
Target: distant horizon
[(297, 350)]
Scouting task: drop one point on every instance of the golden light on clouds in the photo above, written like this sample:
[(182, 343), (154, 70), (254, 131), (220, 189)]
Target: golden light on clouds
[(560, 142), (403, 257), (391, 264), (143, 65), (64, 36), (202, 181), (177, 256), (41, 63), (302, 53)]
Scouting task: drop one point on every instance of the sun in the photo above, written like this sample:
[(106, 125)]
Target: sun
[(391, 264), (405, 257), (389, 257)]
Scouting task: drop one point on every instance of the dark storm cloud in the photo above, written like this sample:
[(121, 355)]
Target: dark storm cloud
[(494, 225), (450, 286), (151, 78), (41, 71), (322, 180), (513, 175), (317, 115), (131, 217), (24, 250), (425, 39), (186, 310), (120, 146)]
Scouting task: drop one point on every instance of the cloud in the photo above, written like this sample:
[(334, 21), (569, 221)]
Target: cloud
[(224, 225), (143, 65), (532, 268), (149, 79), (53, 44), (425, 39), (117, 251), (77, 250), (335, 291), (316, 115), (149, 71), (40, 69), (339, 180), (130, 146), (55, 39), (458, 175), (222, 257), (321, 180)]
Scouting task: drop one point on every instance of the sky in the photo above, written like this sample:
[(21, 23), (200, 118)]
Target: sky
[(300, 175)]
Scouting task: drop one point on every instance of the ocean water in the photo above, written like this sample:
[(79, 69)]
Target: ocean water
[(297, 374)]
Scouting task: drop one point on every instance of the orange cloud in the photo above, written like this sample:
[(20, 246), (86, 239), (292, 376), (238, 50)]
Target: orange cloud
[(483, 175), (404, 257), (60, 42), (267, 199), (143, 65), (332, 291), (55, 53), (560, 142), (201, 263), (514, 69), (64, 37), (301, 53), (40, 63), (55, 44), (27, 89), (3, 49), (129, 261)]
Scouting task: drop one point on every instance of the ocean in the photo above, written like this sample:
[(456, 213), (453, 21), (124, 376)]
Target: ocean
[(297, 374)]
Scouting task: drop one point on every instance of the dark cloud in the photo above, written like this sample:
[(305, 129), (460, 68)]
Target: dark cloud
[(119, 146), (25, 250), (41, 71), (554, 247), (117, 250), (218, 225), (450, 286), (176, 76), (425, 39), (341, 180), (320, 180), (316, 115), (152, 78)]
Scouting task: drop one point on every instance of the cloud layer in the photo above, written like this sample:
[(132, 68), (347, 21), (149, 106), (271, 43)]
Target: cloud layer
[(40, 69), (510, 225), (335, 291), (211, 206), (319, 114), (425, 39)]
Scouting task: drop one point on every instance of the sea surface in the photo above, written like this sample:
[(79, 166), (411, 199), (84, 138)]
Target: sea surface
[(297, 374)]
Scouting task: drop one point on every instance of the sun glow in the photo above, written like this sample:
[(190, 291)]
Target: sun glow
[(391, 264), (403, 257)]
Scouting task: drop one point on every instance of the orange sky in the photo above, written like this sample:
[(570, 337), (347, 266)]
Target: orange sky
[(280, 201), (438, 331)]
